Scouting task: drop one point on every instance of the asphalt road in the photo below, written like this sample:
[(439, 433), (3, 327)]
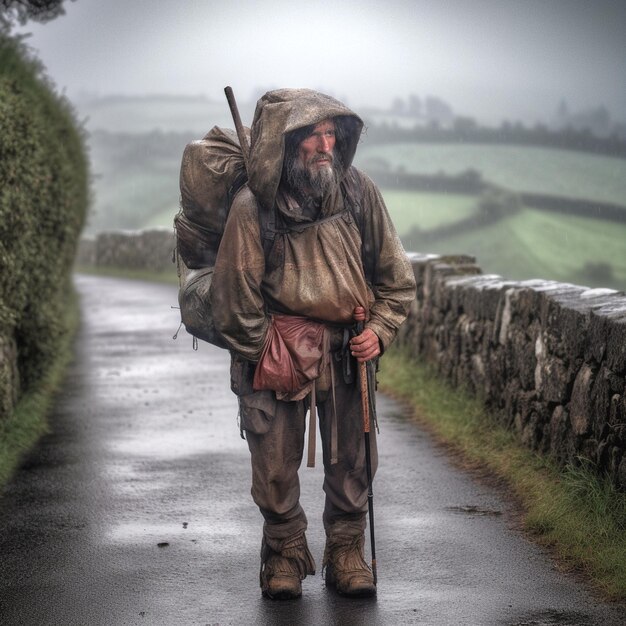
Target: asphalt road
[(136, 508)]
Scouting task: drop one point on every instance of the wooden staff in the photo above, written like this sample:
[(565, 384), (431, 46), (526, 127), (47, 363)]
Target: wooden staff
[(359, 317)]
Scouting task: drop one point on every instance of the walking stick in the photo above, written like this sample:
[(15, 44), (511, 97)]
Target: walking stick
[(359, 316)]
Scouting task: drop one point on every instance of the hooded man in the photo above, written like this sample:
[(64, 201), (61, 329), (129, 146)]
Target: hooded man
[(308, 240)]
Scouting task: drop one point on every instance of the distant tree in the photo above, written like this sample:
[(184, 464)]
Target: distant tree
[(562, 114), (471, 176), (415, 105), (599, 273), (20, 11), (540, 132), (464, 124), (438, 111), (499, 203), (398, 106), (597, 120), (619, 131)]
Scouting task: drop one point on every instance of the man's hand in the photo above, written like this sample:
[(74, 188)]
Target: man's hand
[(366, 346)]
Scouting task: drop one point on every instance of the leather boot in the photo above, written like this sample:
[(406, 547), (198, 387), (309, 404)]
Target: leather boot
[(345, 566), (284, 565)]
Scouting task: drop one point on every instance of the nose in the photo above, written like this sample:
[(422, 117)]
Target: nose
[(323, 144)]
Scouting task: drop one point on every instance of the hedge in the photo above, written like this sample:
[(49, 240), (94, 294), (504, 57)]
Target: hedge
[(44, 195)]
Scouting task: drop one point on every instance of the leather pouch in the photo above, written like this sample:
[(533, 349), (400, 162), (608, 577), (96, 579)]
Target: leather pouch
[(295, 353)]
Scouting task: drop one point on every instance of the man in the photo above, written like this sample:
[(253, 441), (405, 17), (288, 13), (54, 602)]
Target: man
[(309, 238)]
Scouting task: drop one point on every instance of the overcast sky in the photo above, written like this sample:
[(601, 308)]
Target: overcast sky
[(493, 59)]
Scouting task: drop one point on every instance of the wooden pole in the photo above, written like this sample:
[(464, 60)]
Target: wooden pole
[(365, 404), (234, 111)]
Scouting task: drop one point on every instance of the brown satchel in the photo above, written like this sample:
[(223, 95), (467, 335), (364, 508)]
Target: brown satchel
[(293, 356)]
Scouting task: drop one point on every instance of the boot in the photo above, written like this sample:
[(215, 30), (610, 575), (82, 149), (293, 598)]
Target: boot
[(284, 565), (345, 566)]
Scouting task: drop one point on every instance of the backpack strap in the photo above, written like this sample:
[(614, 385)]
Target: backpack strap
[(352, 190), (267, 226), (352, 193), (240, 180)]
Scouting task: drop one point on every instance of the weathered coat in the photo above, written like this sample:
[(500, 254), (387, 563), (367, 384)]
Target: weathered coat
[(316, 272)]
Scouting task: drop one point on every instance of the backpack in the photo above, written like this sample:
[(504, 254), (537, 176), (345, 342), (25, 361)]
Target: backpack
[(212, 172)]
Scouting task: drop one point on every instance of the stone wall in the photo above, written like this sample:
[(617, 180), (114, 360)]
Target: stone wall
[(549, 358), (138, 250)]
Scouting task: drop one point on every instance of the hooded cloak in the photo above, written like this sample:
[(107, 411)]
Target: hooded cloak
[(317, 271)]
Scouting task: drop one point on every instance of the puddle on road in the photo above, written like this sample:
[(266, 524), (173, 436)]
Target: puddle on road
[(473, 510), (552, 618)]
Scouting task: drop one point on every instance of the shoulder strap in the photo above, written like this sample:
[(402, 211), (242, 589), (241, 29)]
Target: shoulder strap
[(240, 180), (267, 226), (352, 190)]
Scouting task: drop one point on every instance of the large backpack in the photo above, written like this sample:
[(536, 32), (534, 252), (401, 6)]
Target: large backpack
[(212, 172)]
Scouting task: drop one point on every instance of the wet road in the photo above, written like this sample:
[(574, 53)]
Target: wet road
[(136, 508)]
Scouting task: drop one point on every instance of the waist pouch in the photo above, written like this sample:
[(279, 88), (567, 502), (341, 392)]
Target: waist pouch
[(294, 355)]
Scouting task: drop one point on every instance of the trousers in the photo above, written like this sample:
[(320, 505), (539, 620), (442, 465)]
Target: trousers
[(275, 429)]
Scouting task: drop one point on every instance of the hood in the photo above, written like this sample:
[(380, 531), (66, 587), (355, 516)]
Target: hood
[(277, 114)]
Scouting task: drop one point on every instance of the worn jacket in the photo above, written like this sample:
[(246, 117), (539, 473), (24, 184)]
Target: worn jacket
[(317, 271)]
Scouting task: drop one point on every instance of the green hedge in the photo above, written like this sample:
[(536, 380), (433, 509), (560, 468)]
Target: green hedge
[(44, 194)]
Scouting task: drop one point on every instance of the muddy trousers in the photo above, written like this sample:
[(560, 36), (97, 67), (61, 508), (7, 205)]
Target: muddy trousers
[(276, 440)]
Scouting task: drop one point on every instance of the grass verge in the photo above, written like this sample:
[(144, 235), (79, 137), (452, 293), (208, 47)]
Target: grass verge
[(578, 515), (28, 422)]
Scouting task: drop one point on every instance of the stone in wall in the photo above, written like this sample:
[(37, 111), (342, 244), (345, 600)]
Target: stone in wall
[(580, 405)]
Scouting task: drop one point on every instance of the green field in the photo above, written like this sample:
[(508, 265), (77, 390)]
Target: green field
[(427, 210), (517, 168), (535, 244), (127, 200)]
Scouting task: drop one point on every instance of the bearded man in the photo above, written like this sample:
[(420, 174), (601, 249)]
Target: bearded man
[(308, 240)]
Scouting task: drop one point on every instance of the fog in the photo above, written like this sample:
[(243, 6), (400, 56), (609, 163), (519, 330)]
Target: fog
[(490, 59)]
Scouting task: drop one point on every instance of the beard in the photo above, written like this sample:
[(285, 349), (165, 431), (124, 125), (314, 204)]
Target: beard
[(309, 179)]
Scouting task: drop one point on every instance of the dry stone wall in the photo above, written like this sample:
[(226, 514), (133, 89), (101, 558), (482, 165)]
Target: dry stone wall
[(549, 358), (138, 250)]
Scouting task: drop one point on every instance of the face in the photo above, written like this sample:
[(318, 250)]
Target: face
[(313, 168), (316, 151)]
